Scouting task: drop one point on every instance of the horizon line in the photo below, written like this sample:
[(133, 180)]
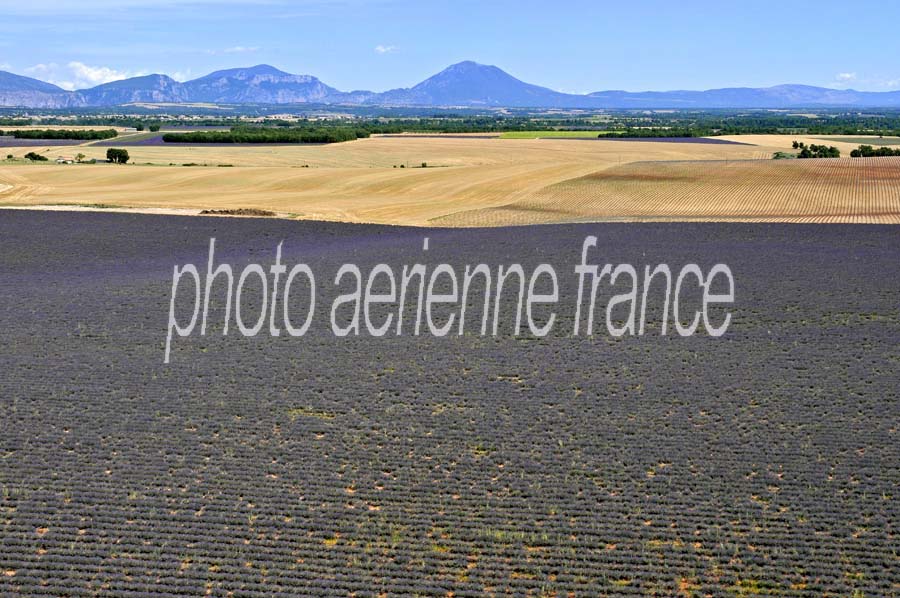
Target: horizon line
[(583, 94)]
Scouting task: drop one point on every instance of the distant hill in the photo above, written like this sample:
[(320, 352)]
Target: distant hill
[(780, 96), (16, 90), (151, 88), (464, 84), (261, 84), (471, 84)]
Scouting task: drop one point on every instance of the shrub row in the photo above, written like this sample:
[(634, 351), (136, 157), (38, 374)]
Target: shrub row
[(867, 151), (85, 134), (268, 135)]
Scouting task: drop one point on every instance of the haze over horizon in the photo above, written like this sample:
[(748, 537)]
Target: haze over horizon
[(357, 44)]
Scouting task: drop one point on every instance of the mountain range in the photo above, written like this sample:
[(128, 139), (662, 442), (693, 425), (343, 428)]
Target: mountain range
[(464, 84)]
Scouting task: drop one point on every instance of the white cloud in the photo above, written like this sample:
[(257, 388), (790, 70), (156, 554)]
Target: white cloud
[(866, 81), (49, 71), (380, 49), (844, 80), (5, 66), (77, 75), (95, 75), (240, 50), (42, 68), (182, 76)]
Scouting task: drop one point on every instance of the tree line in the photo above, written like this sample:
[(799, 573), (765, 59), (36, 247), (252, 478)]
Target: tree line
[(624, 123), (816, 151), (867, 151), (80, 135), (269, 135), (653, 132)]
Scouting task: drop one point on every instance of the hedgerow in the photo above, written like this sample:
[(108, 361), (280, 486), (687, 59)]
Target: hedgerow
[(268, 135)]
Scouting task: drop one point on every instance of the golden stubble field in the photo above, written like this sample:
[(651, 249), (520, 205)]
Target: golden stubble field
[(471, 182), (845, 190)]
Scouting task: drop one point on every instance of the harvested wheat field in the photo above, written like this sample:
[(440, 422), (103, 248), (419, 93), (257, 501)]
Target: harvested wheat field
[(470, 181), (865, 190), (359, 181)]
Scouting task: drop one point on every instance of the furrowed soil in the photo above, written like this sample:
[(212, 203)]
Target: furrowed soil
[(864, 190), (762, 462)]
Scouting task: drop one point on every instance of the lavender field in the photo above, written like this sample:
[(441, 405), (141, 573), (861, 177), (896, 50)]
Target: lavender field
[(138, 141), (764, 462), (14, 142)]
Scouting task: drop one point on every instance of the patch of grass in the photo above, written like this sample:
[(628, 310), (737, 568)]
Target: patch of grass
[(299, 412), (874, 140), (480, 450), (509, 536), (132, 137), (754, 587)]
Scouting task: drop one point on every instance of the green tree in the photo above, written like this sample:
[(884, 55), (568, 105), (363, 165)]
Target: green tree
[(117, 156), (867, 151), (818, 151), (79, 134)]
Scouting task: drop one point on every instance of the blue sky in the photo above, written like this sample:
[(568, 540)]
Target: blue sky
[(575, 46)]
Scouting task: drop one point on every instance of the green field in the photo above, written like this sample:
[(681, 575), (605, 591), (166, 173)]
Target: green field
[(873, 141)]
